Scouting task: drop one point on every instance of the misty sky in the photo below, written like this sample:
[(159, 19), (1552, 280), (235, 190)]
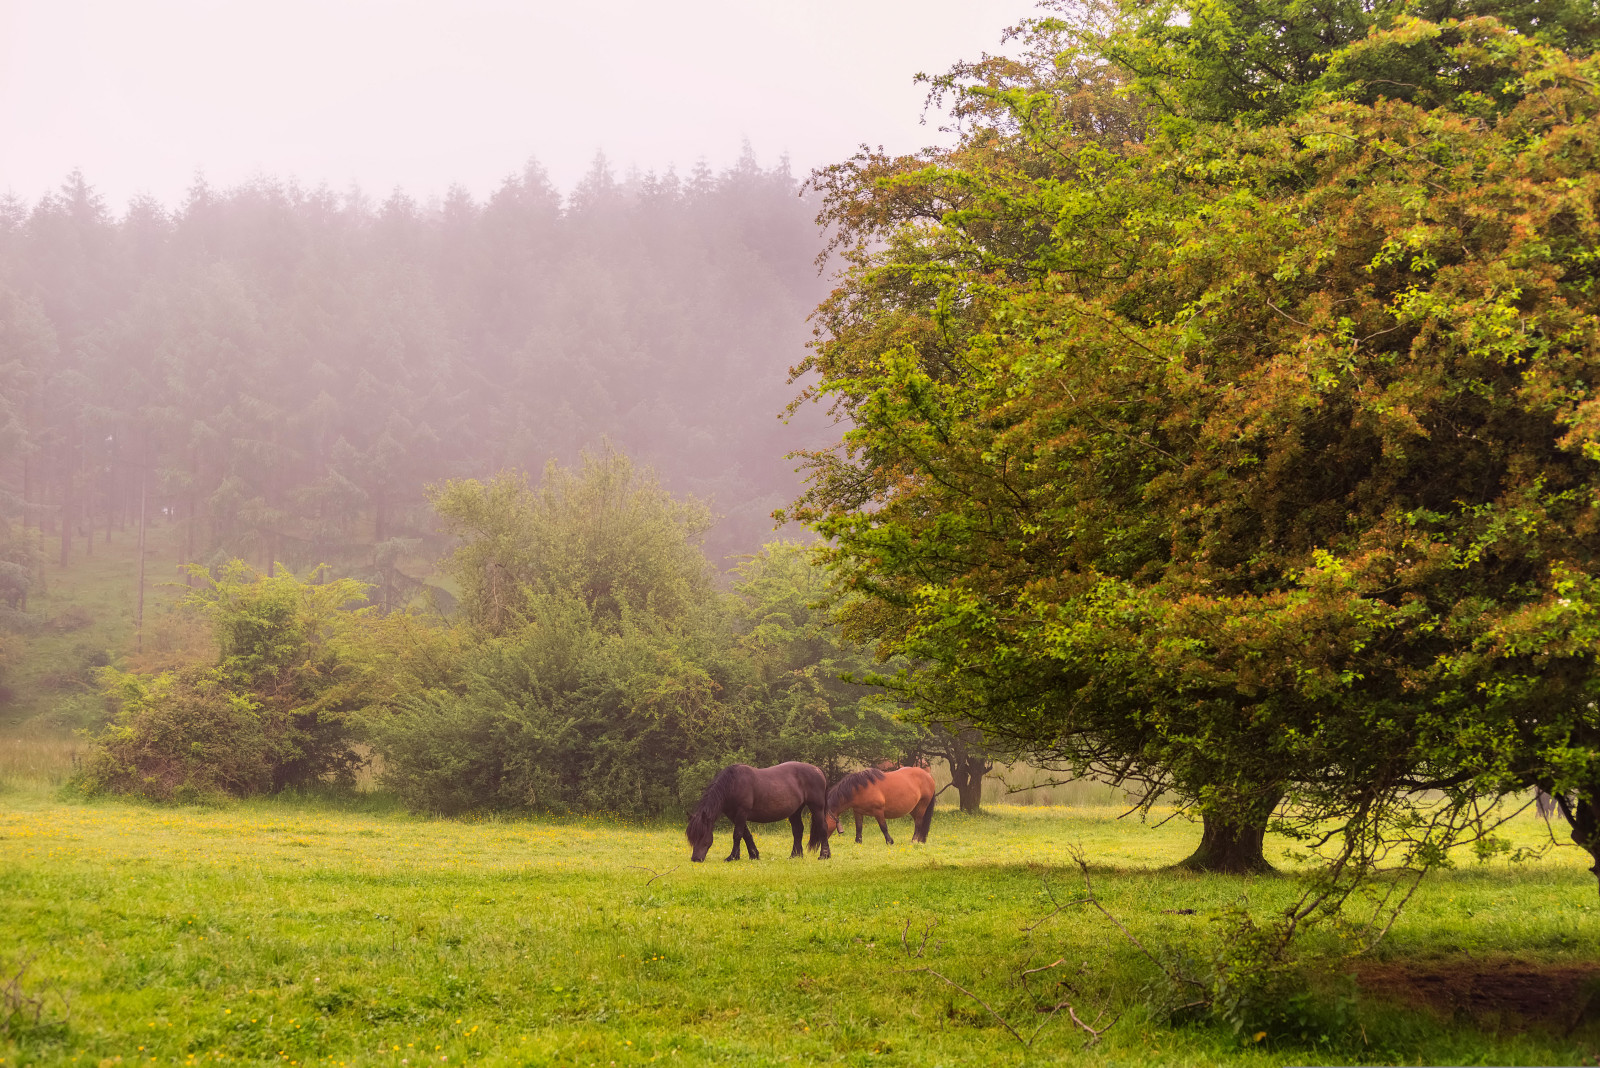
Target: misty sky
[(142, 94)]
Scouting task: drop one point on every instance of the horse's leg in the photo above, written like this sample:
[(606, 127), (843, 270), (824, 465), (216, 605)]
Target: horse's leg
[(858, 826), (797, 825), (884, 827), (738, 825), (743, 828)]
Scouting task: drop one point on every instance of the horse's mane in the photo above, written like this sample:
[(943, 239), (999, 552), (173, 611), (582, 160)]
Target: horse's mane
[(707, 812), (841, 794)]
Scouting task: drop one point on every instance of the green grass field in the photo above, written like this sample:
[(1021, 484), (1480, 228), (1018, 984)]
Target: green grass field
[(338, 933)]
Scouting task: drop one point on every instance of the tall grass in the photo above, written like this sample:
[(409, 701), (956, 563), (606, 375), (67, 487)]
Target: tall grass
[(38, 760)]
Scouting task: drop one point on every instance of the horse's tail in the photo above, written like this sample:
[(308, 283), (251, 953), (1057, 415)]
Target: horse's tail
[(817, 801), (924, 821)]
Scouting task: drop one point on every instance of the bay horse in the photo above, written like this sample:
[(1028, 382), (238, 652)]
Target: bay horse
[(762, 795), (884, 795)]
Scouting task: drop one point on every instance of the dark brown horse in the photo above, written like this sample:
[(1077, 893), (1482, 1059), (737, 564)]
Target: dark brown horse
[(761, 795), (884, 795)]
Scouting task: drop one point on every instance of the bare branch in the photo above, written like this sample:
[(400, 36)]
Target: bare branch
[(1001, 1020), (654, 875), (921, 946), (1094, 1035)]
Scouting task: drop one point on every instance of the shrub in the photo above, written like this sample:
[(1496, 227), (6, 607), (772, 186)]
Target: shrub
[(183, 736), (558, 714), (274, 711)]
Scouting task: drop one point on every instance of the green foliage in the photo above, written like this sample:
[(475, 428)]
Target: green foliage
[(1263, 61), (561, 713), (603, 673), (274, 712), (813, 694), (1252, 459), (606, 534), (183, 736)]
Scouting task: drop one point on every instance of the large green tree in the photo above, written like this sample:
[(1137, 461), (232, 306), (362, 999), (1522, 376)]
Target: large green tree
[(1249, 457)]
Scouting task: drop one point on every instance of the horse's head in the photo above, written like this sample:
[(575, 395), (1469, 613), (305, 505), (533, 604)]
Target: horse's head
[(833, 823), (699, 835)]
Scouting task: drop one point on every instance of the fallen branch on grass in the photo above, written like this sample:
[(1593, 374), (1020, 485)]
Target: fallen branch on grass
[(1027, 1043), (926, 931), (654, 875), (19, 1008)]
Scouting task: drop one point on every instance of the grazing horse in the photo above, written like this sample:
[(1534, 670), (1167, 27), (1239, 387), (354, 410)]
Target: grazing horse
[(762, 795), (884, 795)]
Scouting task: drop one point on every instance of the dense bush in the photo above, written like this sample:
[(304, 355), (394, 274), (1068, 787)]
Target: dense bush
[(596, 667), (561, 714), (275, 711), (183, 736), (604, 671)]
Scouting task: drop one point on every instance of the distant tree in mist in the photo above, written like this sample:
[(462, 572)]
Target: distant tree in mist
[(605, 534), (285, 370)]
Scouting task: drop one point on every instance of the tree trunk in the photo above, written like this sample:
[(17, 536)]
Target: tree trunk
[(1584, 817), (138, 617), (188, 540), (30, 505), (967, 769), (30, 501), (68, 514), (970, 790), (1228, 848)]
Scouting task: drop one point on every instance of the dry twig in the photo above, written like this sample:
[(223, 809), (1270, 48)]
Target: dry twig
[(654, 875), (17, 1006), (1001, 1020), (926, 931)]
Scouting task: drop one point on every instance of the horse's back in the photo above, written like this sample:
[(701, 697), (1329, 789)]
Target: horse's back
[(784, 789), (906, 788), (919, 777), (806, 774)]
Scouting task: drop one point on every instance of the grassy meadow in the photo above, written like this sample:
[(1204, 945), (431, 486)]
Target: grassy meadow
[(340, 932)]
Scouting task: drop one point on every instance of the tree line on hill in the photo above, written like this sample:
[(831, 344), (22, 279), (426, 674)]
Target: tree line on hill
[(283, 370)]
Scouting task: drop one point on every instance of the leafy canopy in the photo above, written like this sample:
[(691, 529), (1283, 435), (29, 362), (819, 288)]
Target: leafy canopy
[(1252, 455)]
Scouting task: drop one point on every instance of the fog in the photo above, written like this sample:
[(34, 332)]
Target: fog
[(423, 95), (278, 268)]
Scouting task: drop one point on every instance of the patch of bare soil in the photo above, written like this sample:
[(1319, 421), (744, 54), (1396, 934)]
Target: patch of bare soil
[(1492, 994)]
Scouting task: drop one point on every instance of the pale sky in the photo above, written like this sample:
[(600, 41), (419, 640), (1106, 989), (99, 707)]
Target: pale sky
[(142, 94)]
